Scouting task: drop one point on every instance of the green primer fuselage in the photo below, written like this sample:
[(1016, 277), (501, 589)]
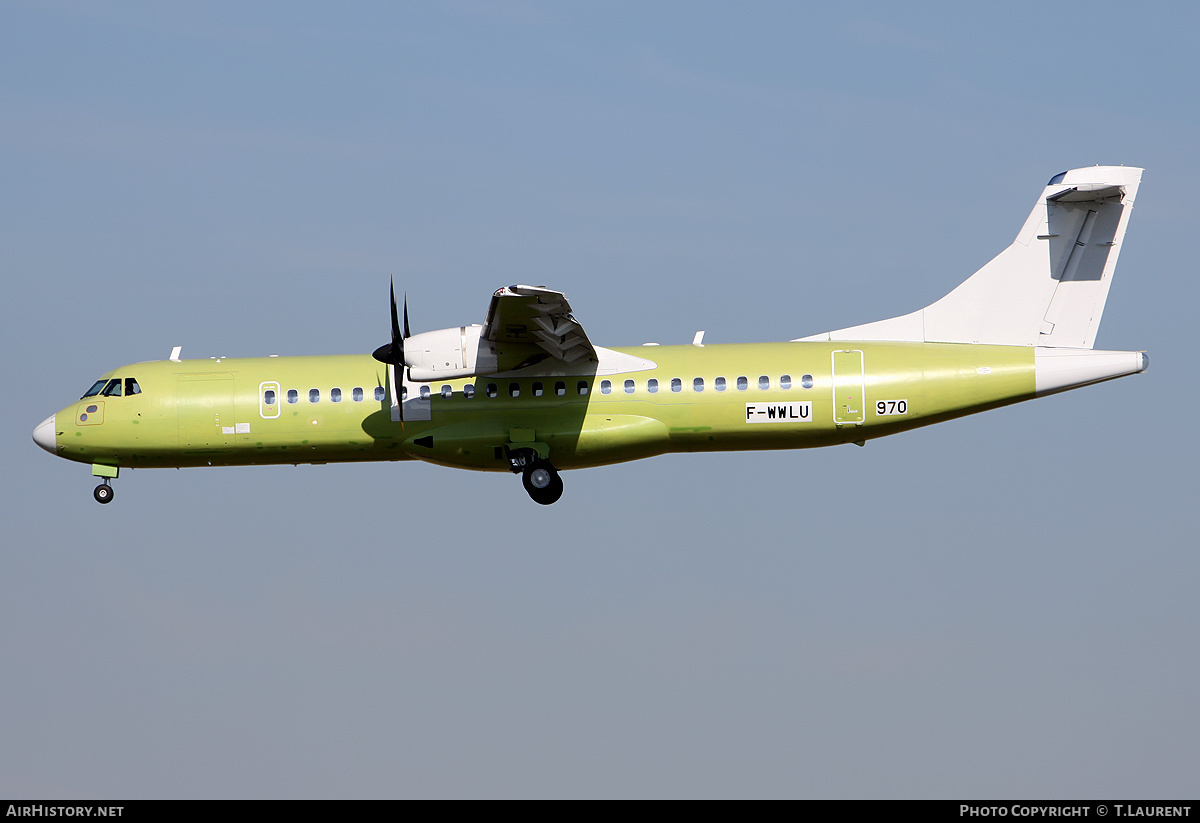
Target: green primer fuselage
[(214, 412)]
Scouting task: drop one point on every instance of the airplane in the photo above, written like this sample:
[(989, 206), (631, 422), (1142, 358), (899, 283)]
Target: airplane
[(528, 392)]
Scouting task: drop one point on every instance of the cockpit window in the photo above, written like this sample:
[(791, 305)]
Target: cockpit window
[(113, 389), (96, 389), (132, 387)]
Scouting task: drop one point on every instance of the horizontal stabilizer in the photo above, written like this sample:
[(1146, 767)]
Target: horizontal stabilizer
[(1088, 193)]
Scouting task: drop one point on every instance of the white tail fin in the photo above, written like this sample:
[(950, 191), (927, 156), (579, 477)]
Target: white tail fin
[(1048, 288)]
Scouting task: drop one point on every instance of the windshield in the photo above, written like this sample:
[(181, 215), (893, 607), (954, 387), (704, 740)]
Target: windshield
[(95, 390)]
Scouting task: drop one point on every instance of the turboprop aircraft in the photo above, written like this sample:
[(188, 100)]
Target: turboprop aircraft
[(528, 392)]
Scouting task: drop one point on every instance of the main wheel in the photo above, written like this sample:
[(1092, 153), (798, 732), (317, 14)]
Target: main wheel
[(103, 493), (540, 477), (541, 482)]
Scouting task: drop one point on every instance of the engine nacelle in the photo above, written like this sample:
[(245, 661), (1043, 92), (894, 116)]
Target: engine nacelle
[(447, 353)]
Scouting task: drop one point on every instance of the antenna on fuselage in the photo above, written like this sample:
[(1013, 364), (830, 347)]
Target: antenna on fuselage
[(175, 354)]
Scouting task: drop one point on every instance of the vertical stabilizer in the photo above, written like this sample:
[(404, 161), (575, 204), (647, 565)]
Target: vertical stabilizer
[(1048, 288)]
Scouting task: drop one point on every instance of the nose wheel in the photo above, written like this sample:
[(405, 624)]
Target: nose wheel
[(103, 493)]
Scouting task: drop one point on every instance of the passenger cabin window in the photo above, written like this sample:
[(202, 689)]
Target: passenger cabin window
[(514, 389), (113, 389), (582, 388), (132, 387), (314, 395), (560, 388), (356, 394), (269, 397), (538, 389), (447, 391), (764, 382), (676, 384), (606, 387), (806, 381), (719, 384), (698, 384), (743, 384), (380, 394), (491, 390), (335, 395), (785, 382), (293, 396), (652, 385), (425, 392), (95, 389), (469, 391), (629, 387)]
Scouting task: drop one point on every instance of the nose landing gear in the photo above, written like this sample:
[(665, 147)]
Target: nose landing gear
[(103, 493), (538, 476)]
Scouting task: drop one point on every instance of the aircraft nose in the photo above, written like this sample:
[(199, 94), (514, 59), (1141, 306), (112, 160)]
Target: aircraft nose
[(43, 435)]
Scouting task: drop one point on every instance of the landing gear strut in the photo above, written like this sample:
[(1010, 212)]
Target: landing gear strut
[(103, 493), (538, 476)]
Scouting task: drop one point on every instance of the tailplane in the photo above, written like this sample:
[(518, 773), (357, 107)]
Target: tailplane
[(1048, 288)]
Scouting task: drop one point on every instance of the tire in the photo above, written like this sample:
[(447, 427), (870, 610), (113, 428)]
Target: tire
[(103, 493), (541, 482), (551, 493)]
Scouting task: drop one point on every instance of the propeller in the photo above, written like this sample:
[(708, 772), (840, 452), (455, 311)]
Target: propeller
[(393, 352)]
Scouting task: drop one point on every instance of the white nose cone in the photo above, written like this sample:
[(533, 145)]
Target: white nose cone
[(43, 435)]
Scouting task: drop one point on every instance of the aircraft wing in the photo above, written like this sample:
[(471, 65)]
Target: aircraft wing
[(536, 320)]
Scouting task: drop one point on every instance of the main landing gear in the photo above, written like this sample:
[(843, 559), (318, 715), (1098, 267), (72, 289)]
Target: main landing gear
[(103, 493), (538, 476), (542, 482)]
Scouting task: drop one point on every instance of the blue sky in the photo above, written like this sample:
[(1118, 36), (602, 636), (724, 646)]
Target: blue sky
[(1000, 606)]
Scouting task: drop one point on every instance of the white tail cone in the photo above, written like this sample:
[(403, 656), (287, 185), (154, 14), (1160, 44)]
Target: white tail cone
[(1057, 370)]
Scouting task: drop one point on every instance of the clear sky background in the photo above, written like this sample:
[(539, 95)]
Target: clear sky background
[(1000, 606)]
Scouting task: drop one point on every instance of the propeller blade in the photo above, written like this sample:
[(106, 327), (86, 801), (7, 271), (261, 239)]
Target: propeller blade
[(396, 336), (393, 352)]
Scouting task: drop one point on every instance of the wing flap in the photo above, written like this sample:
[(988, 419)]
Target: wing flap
[(520, 317)]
